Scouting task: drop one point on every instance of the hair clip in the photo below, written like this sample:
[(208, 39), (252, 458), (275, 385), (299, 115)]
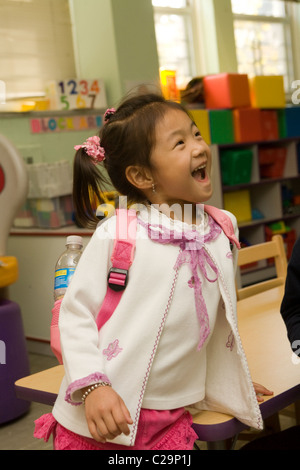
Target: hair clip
[(93, 149), (108, 113)]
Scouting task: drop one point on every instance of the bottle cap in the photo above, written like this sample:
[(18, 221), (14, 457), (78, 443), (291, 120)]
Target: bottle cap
[(74, 240)]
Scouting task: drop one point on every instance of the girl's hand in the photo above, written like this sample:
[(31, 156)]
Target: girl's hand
[(261, 390), (106, 414)]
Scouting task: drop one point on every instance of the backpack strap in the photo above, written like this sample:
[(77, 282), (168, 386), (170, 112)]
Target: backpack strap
[(122, 257), (225, 223)]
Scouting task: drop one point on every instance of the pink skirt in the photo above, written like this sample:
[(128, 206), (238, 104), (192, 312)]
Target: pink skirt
[(157, 430)]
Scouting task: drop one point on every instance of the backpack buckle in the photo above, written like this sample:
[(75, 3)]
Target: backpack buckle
[(117, 279)]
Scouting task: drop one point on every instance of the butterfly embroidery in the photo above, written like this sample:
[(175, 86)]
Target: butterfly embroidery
[(113, 350)]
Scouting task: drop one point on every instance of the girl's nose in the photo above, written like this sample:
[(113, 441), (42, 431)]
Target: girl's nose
[(198, 151)]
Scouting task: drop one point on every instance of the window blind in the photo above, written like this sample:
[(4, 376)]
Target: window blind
[(36, 45)]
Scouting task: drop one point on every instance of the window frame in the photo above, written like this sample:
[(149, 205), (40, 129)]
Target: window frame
[(187, 14), (288, 36)]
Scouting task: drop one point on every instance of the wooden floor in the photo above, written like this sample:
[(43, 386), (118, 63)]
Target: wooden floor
[(18, 434)]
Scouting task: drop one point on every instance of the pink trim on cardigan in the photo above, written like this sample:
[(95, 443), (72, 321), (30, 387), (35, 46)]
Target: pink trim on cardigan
[(81, 383)]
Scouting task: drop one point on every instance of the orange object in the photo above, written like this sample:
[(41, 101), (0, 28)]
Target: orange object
[(168, 85), (226, 90), (296, 200), (247, 125), (9, 270), (272, 161), (269, 125)]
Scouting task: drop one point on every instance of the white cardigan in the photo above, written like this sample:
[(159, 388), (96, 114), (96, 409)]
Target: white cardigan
[(124, 349)]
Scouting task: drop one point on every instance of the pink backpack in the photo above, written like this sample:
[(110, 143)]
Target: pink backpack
[(122, 257)]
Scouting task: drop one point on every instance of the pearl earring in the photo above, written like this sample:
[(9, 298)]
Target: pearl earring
[(153, 188)]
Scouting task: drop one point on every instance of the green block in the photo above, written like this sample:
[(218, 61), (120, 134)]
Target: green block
[(282, 123), (236, 166), (221, 126)]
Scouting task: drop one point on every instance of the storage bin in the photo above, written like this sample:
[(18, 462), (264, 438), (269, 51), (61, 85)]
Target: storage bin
[(46, 213), (272, 161), (236, 166), (49, 180), (239, 204)]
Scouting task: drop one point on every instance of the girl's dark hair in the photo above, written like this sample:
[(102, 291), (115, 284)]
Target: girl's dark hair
[(128, 138)]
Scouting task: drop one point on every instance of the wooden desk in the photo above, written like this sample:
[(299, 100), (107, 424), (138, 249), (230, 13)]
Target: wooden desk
[(269, 356)]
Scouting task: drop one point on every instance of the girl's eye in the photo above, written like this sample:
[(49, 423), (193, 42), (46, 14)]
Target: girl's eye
[(180, 142), (197, 134)]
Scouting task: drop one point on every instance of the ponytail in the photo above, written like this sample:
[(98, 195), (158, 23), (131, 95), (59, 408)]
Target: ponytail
[(88, 185)]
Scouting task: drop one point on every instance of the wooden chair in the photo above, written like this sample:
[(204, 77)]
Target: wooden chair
[(273, 249), (264, 251)]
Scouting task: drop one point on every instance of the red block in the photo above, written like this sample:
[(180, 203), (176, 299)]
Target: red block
[(247, 125), (272, 161), (269, 124), (226, 91)]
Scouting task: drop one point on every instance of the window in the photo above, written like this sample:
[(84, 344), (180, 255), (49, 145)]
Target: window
[(262, 31), (35, 45), (174, 38)]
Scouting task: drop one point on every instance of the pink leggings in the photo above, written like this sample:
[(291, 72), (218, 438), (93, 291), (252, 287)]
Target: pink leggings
[(157, 430)]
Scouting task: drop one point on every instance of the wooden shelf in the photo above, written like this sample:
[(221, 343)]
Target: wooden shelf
[(265, 194)]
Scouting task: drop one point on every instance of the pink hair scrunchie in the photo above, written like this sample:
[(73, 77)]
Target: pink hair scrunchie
[(93, 148)]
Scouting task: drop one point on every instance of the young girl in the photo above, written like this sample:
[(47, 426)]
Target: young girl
[(172, 341)]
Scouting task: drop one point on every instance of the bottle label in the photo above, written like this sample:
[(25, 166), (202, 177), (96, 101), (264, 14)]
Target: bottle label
[(63, 278)]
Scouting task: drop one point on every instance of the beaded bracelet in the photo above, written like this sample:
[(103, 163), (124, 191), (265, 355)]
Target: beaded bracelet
[(93, 387)]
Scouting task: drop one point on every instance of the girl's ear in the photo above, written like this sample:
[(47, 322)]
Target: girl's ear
[(139, 177)]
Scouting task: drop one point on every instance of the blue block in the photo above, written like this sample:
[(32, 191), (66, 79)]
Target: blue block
[(292, 118)]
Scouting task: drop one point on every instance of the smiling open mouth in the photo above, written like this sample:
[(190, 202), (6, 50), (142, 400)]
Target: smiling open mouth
[(199, 173)]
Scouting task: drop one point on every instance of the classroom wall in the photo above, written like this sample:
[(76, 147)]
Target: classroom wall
[(115, 40), (42, 147)]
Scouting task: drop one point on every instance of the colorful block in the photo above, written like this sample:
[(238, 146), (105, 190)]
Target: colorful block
[(281, 123), (221, 126), (226, 91), (239, 204), (269, 124), (247, 125), (168, 84), (272, 161), (267, 92), (292, 121), (236, 166), (201, 119)]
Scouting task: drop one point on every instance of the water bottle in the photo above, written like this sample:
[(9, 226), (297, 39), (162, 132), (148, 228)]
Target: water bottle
[(66, 265)]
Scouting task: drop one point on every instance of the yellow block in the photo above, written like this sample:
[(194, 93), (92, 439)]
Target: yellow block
[(239, 204), (201, 119), (168, 85), (267, 91), (8, 270)]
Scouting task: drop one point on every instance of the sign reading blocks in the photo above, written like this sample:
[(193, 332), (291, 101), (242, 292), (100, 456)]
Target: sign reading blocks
[(76, 94)]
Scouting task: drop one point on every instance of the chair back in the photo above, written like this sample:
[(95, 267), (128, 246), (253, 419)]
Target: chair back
[(264, 251)]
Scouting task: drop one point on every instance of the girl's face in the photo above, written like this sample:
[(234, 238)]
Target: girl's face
[(181, 162)]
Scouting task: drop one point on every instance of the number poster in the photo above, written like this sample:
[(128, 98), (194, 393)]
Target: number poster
[(73, 94)]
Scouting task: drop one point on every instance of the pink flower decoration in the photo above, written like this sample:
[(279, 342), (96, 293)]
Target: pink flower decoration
[(93, 149), (108, 113)]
